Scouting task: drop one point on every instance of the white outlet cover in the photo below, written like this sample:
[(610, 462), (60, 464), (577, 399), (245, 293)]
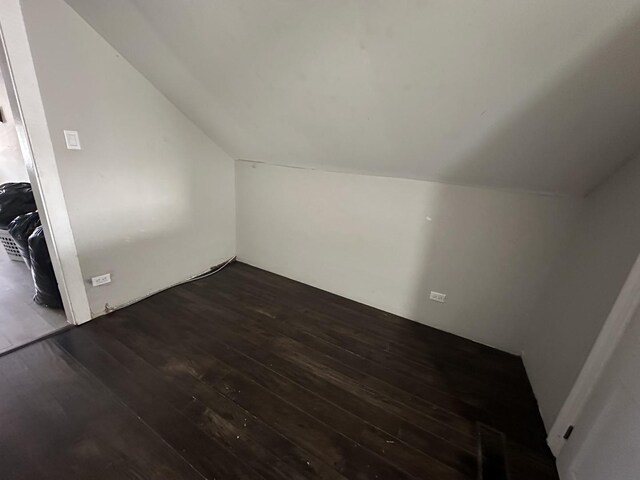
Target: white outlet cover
[(438, 297), (72, 139), (101, 280)]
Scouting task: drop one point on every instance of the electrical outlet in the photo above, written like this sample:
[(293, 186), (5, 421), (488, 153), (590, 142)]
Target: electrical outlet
[(101, 280), (438, 297)]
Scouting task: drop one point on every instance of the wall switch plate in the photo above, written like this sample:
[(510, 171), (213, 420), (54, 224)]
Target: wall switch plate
[(101, 280), (73, 140), (438, 297)]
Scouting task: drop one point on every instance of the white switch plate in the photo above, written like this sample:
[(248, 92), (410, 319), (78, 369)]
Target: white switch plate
[(73, 140), (101, 280), (438, 297)]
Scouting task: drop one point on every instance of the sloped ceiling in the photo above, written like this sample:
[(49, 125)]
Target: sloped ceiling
[(534, 95)]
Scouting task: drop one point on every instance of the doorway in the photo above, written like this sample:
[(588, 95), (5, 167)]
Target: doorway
[(605, 442), (22, 319)]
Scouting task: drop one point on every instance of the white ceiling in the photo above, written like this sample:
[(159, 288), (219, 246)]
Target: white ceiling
[(535, 95)]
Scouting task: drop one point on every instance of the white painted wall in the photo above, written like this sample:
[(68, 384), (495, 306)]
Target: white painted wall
[(582, 288), (606, 441), (150, 197), (12, 168), (388, 242)]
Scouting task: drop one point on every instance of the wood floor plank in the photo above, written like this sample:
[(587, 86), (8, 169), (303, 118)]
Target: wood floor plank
[(448, 346), (205, 454), (375, 375), (224, 422), (368, 372), (329, 385), (249, 375), (436, 387), (250, 380), (59, 422), (299, 365), (490, 404), (405, 339), (183, 375)]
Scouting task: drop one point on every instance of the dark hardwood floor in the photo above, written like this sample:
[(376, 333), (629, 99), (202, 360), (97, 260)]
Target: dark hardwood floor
[(250, 375)]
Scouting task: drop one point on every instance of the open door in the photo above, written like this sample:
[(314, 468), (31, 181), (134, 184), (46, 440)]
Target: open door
[(605, 442), (605, 349)]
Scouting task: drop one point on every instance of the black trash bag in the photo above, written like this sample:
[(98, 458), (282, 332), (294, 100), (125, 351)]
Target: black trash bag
[(15, 199), (47, 293), (21, 229)]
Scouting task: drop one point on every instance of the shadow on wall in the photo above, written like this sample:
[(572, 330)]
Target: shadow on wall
[(590, 115), (596, 103), (166, 230)]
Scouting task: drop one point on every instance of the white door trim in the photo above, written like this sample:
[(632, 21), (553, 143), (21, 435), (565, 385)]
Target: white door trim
[(37, 149), (605, 345)]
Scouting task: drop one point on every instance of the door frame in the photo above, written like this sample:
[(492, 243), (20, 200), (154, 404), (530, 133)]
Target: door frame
[(36, 146), (604, 347)]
